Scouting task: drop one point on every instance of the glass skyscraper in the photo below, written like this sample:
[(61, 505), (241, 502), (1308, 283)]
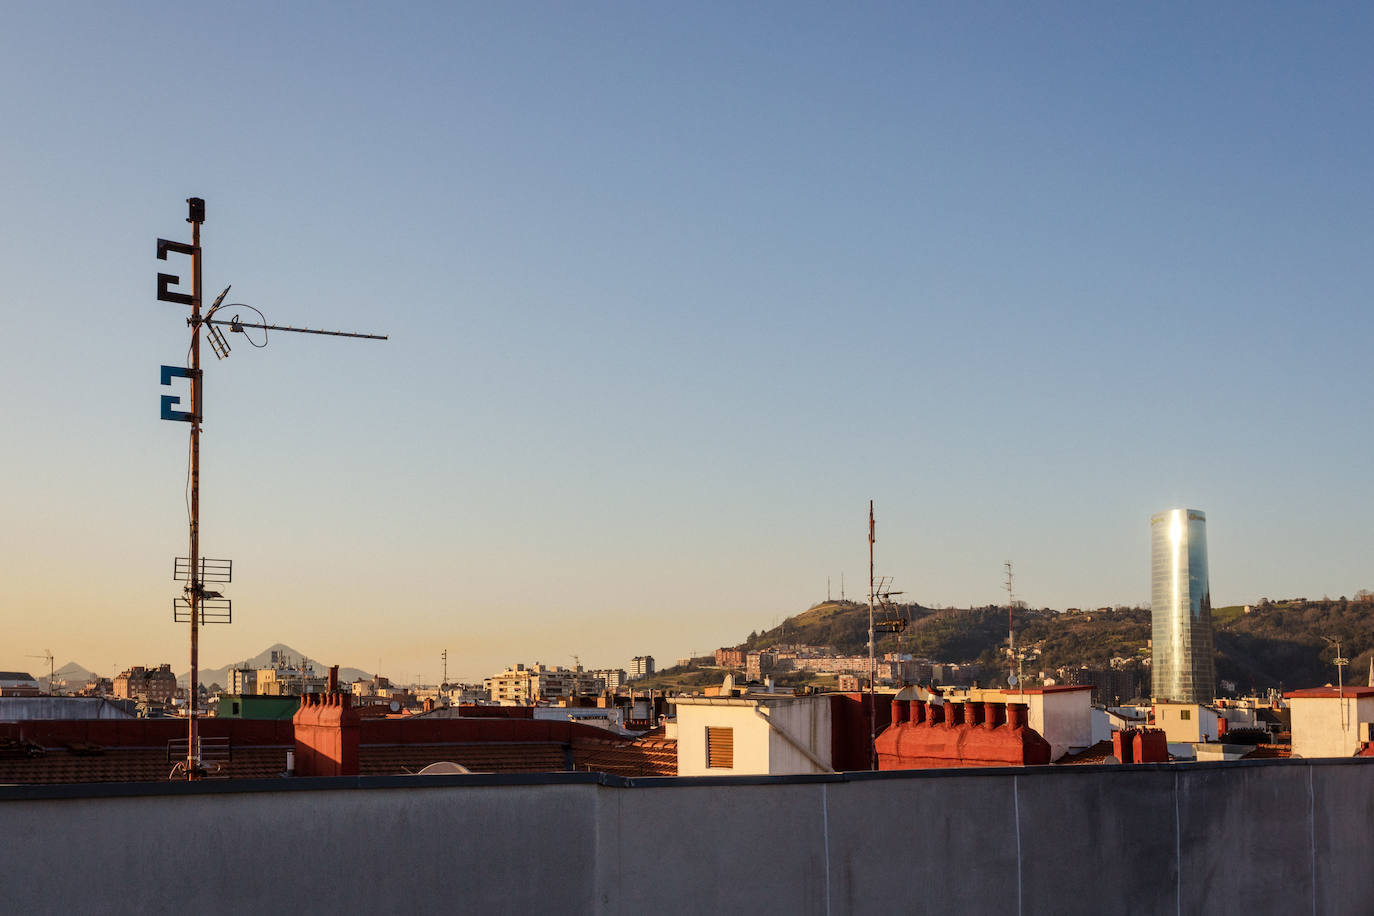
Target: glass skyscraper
[(1181, 608)]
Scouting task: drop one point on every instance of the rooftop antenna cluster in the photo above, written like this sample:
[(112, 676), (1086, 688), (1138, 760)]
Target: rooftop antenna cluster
[(199, 605), (1011, 628), (872, 659), (47, 654)]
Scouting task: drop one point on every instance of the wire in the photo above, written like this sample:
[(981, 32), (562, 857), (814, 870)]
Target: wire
[(187, 490), (234, 325)]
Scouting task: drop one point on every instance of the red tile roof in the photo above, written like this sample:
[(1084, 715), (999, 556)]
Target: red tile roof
[(1098, 753), (645, 757), (1058, 688), (136, 751), (1318, 693), (141, 764)]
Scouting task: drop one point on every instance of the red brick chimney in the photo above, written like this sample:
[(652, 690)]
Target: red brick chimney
[(1151, 746), (326, 728), (1122, 746)]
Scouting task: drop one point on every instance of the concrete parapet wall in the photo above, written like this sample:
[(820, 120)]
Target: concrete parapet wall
[(1265, 836)]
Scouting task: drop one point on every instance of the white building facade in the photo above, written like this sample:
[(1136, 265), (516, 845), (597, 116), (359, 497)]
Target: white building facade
[(753, 734), (1330, 722)]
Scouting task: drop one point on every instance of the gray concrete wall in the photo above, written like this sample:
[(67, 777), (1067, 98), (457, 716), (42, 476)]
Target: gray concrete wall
[(1251, 837)]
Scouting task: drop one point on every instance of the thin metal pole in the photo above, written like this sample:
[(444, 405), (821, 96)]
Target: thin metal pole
[(197, 411), (872, 663), (1340, 690), (239, 325)]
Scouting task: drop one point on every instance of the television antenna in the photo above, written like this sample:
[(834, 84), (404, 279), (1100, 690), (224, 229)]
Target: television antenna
[(200, 605), (47, 654), (1012, 678), (872, 660), (1340, 662)]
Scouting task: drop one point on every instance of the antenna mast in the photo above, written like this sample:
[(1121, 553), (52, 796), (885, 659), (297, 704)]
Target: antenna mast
[(200, 606), (47, 654), (872, 661), (1011, 628)]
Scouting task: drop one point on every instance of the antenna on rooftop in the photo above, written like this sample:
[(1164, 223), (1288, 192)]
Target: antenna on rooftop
[(872, 661), (1011, 628), (47, 653), (199, 605)]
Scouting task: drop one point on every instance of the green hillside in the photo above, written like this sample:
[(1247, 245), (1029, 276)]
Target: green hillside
[(1277, 644)]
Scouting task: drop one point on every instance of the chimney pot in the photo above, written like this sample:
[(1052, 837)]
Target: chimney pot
[(994, 714), (1016, 715)]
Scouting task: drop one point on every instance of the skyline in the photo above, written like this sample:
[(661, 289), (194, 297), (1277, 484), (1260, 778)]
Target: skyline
[(670, 297)]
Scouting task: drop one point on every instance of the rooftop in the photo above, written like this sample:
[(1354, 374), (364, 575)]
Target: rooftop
[(1328, 692)]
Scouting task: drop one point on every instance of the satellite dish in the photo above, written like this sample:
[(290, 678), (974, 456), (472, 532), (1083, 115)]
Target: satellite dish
[(395, 705), (1011, 680), (443, 768)]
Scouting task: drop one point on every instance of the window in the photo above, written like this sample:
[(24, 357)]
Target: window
[(1185, 714), (720, 748)]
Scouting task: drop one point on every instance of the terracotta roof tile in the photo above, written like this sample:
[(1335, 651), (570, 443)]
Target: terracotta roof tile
[(485, 757), (130, 765)]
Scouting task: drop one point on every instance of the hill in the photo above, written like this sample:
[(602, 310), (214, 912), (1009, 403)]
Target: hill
[(72, 675), (1277, 644), (263, 660)]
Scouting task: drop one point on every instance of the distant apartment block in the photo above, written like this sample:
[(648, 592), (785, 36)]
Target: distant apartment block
[(610, 678), (153, 685), (289, 680), (243, 681), (96, 686), (641, 666), (520, 685), (731, 658), (372, 687)]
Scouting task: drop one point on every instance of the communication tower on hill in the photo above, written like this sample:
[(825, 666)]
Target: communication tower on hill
[(200, 605)]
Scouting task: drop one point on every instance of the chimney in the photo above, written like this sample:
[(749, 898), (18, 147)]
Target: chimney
[(1151, 746), (1016, 715), (937, 712), (954, 714), (898, 712), (1122, 746), (918, 711), (994, 714), (973, 713), (333, 678)]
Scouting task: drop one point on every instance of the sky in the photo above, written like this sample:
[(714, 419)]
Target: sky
[(672, 292)]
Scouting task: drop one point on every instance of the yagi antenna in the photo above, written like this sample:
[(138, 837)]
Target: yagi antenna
[(200, 605)]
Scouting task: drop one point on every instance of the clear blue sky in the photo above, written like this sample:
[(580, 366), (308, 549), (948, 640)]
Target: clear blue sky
[(673, 291)]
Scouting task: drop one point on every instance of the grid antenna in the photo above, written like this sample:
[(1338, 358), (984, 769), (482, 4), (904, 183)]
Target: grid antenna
[(200, 605)]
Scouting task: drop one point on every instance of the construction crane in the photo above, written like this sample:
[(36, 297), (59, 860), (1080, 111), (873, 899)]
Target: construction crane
[(47, 653)]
